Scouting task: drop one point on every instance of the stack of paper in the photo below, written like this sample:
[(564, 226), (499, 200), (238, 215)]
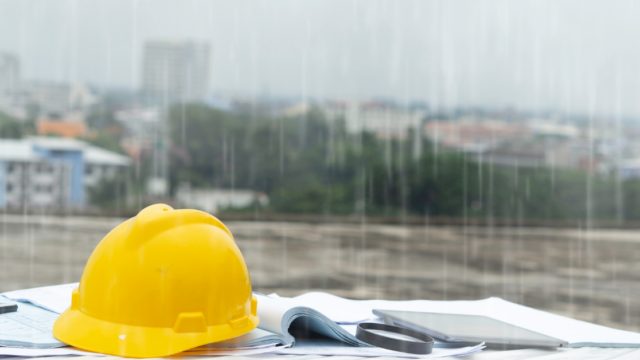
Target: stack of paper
[(577, 333), (276, 316), (56, 298), (326, 314), (332, 347)]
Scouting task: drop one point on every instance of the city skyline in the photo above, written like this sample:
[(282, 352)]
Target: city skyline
[(572, 56)]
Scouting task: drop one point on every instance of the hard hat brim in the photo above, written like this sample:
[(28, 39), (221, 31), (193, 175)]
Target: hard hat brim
[(78, 329)]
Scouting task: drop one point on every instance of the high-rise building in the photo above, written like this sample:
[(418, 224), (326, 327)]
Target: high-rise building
[(9, 79), (176, 70)]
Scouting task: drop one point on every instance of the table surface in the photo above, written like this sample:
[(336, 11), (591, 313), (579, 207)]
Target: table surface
[(586, 353)]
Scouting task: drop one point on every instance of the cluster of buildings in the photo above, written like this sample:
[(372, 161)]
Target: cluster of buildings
[(56, 168), (52, 168), (172, 71), (533, 142), (51, 172), (500, 139), (496, 139), (385, 119)]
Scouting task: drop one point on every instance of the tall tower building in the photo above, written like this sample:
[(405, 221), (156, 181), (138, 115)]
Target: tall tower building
[(9, 78), (177, 70)]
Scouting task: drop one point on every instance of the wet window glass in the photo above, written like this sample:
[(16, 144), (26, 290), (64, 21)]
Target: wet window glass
[(396, 150)]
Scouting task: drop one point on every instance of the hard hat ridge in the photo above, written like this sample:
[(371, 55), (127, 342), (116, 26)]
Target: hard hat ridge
[(158, 218)]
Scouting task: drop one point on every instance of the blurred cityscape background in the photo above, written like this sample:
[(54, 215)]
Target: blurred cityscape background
[(406, 149)]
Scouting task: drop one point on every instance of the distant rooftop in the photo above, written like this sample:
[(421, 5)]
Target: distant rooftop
[(26, 150), (67, 129)]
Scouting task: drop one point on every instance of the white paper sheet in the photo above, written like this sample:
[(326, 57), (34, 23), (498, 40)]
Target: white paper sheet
[(213, 348), (585, 353), (328, 347), (279, 313), (58, 298), (577, 333), (44, 352), (520, 354), (29, 327), (348, 313), (75, 351), (631, 355), (271, 313), (254, 339), (234, 352), (55, 298)]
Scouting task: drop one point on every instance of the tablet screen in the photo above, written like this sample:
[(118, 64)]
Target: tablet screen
[(468, 328)]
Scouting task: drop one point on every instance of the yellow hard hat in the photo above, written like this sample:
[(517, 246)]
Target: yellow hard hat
[(160, 283)]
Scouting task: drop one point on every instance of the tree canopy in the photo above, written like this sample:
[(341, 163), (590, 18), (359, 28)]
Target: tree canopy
[(308, 164)]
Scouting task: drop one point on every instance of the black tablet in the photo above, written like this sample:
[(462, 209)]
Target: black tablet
[(469, 328)]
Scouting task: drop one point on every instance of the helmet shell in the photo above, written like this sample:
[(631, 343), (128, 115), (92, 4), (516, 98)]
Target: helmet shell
[(160, 283)]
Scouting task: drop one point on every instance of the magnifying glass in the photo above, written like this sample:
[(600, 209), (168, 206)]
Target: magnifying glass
[(395, 338)]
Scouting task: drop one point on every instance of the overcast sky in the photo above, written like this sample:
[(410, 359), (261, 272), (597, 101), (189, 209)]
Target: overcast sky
[(569, 55)]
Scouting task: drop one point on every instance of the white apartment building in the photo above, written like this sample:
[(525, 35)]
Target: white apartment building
[(177, 70), (384, 120), (52, 172), (61, 99), (215, 200)]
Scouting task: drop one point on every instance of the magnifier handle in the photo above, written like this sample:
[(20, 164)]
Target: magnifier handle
[(423, 344)]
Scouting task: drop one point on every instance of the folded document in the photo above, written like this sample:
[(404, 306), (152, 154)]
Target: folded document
[(327, 347)]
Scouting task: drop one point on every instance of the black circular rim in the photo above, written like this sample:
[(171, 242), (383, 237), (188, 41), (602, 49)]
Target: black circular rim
[(424, 345)]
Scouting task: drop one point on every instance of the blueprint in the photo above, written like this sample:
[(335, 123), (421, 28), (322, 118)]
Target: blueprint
[(29, 327), (55, 298)]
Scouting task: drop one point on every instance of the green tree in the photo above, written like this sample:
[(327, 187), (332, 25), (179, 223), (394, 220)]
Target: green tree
[(10, 127), (308, 164), (105, 140), (101, 118), (109, 193)]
